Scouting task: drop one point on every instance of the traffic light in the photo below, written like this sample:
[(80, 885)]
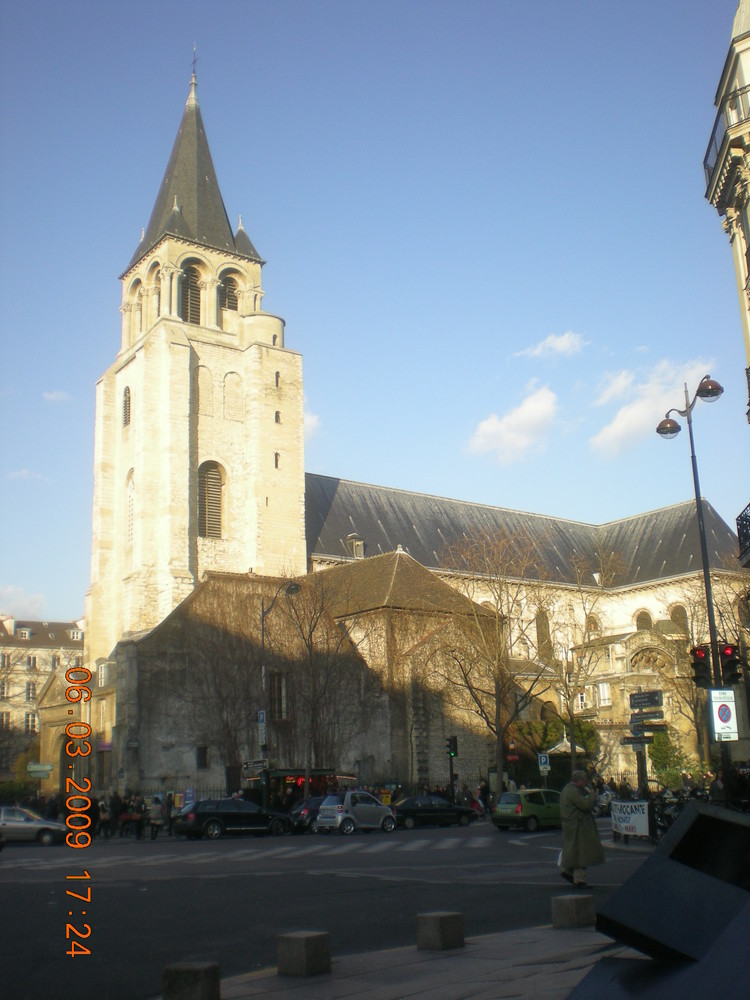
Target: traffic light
[(701, 665), (451, 746), (731, 664)]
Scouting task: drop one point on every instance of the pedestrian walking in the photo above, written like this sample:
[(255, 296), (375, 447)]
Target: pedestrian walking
[(156, 817), (581, 844)]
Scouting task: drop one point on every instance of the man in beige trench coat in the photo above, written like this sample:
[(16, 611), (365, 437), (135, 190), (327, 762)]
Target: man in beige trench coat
[(580, 837)]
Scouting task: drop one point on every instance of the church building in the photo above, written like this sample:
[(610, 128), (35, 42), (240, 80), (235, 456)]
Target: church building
[(204, 521)]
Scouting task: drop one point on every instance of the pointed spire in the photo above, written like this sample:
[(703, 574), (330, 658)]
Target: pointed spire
[(189, 203), (243, 244)]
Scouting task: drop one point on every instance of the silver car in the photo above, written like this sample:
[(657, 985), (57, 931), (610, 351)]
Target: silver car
[(17, 823), (350, 811)]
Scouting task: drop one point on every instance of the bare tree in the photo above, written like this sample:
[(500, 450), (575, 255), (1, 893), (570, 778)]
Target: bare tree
[(204, 673), (497, 665), (330, 684), (571, 616)]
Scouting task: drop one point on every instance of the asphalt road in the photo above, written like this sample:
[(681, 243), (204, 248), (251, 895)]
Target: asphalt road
[(152, 903)]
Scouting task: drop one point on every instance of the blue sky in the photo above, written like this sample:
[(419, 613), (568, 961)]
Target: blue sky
[(484, 224)]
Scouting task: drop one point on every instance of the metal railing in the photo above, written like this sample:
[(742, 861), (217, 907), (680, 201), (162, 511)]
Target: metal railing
[(734, 110)]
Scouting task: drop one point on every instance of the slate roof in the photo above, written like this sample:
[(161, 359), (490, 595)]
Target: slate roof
[(51, 635), (189, 203), (657, 545)]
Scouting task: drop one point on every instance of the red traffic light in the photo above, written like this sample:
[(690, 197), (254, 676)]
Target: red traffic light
[(699, 652)]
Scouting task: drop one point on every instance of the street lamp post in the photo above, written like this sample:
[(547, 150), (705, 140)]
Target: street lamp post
[(708, 390)]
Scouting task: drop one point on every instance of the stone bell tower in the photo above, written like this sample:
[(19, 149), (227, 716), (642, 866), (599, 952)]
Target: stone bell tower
[(198, 454)]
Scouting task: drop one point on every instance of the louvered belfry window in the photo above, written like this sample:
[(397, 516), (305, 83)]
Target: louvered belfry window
[(210, 489), (190, 296), (228, 294)]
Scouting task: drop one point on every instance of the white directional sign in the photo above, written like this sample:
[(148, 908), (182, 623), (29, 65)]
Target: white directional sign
[(724, 715)]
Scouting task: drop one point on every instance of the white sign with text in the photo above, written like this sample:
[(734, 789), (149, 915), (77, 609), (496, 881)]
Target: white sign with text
[(630, 818)]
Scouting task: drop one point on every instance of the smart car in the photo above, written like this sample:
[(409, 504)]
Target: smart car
[(352, 810)]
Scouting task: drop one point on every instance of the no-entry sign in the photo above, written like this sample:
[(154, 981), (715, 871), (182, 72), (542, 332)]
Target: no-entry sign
[(724, 715)]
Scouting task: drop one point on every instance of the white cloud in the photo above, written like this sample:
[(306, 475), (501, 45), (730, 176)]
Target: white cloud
[(556, 344), (615, 385), (522, 430), (14, 601), (311, 424), (57, 396), (28, 476), (649, 399)]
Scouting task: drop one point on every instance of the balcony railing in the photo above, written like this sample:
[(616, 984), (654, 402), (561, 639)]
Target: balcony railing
[(734, 110), (743, 534)]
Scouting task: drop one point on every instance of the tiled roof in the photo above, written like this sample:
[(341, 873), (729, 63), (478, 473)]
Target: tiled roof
[(648, 547), (49, 635), (394, 580)]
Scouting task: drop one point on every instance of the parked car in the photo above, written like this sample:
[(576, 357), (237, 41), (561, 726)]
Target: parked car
[(432, 810), (304, 814), (213, 818), (350, 811), (529, 808), (17, 823)]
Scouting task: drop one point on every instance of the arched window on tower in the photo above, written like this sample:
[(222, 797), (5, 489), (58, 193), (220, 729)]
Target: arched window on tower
[(228, 294), (156, 295), (210, 500), (190, 295), (126, 406), (138, 312)]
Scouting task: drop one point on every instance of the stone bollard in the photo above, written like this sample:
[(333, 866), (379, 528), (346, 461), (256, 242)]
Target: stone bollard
[(303, 953), (573, 911), (440, 930), (191, 981)]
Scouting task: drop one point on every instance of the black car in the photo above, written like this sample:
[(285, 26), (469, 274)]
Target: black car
[(431, 810), (213, 818), (303, 814)]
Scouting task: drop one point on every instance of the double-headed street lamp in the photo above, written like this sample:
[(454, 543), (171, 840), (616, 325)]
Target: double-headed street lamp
[(708, 390)]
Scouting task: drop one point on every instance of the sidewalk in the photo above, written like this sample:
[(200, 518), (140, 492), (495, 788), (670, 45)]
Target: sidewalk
[(535, 962)]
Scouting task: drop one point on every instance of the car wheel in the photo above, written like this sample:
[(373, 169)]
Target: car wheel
[(277, 827), (409, 822), (532, 824), (388, 825), (347, 826), (46, 837), (464, 820), (213, 829)]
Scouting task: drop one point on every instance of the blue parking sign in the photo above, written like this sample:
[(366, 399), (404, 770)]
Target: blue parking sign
[(543, 760)]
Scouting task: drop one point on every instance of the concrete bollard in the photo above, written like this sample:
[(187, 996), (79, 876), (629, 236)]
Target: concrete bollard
[(303, 953), (191, 981), (440, 930), (573, 911)]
